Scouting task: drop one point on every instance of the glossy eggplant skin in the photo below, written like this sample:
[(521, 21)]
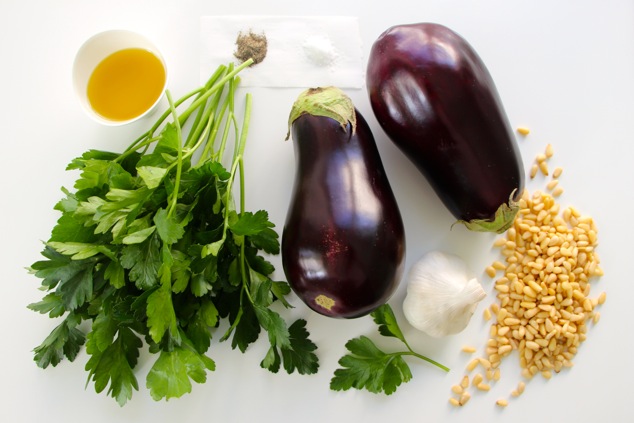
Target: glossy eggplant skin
[(435, 99), (343, 242)]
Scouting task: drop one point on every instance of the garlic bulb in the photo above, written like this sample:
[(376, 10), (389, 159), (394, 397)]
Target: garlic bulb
[(441, 298)]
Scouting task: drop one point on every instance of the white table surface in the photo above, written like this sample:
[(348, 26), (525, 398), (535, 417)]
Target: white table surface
[(565, 69)]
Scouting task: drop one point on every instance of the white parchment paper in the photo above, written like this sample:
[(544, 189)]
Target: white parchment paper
[(302, 51)]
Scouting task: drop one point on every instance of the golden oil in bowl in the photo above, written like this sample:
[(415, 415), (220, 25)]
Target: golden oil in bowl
[(119, 77), (126, 84)]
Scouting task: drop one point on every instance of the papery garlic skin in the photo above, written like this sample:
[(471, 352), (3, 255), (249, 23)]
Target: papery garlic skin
[(441, 297)]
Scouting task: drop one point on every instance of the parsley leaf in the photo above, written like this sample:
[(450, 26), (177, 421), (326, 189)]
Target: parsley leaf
[(160, 310), (77, 289), (267, 240), (198, 328), (245, 327), (65, 340), (69, 228), (173, 371), (56, 268), (250, 224), (388, 326), (143, 261), (81, 250), (275, 326), (168, 229), (300, 356), (367, 367), (52, 304), (113, 364), (97, 173), (152, 175), (115, 274), (80, 162)]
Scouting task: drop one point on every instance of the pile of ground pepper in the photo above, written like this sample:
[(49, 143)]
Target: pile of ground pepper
[(251, 46)]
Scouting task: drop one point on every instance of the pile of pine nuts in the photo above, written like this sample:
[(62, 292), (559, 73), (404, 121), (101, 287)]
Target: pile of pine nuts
[(543, 292)]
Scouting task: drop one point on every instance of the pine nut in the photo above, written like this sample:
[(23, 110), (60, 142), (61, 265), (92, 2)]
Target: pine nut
[(486, 314), (484, 363), (477, 379), (499, 242), (522, 130), (502, 288), (505, 349), (503, 330), (483, 386), (532, 345), (502, 402), (511, 321), (549, 151), (552, 184), (464, 398), (526, 373), (490, 271), (468, 349), (533, 171), (498, 265), (465, 382)]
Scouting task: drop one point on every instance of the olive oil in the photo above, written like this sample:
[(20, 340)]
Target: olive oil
[(126, 84)]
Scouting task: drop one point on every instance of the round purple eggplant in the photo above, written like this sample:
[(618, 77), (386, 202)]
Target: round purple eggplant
[(343, 242), (435, 99)]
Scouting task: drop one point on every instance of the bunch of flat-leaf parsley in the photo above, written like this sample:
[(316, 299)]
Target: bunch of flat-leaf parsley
[(153, 249)]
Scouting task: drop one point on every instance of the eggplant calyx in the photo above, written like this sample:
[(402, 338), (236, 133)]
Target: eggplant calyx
[(330, 102), (504, 218)]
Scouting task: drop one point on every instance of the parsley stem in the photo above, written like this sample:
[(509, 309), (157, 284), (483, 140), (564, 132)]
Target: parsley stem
[(231, 123), (149, 135), (203, 94), (219, 84), (422, 357), (208, 116), (208, 151), (239, 154), (179, 157), (225, 135), (199, 116), (245, 125)]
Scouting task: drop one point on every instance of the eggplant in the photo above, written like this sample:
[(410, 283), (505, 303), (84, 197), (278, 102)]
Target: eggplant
[(343, 242), (435, 99)]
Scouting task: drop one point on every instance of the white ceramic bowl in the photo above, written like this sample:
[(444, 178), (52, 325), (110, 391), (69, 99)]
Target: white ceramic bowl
[(97, 48)]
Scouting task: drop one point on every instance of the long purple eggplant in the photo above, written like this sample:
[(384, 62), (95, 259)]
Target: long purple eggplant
[(343, 242), (435, 99)]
